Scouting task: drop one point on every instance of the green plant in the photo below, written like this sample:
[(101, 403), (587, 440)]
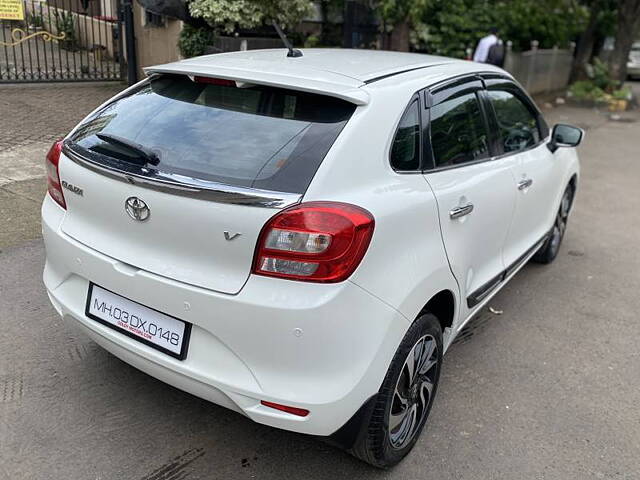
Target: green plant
[(193, 41), (229, 15), (600, 87), (65, 25), (36, 20), (599, 74), (587, 90), (449, 27), (623, 93), (312, 41)]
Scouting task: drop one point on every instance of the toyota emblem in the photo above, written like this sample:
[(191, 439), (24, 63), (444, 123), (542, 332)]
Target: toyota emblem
[(137, 209)]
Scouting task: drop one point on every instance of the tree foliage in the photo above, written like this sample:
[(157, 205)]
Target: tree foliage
[(399, 18), (394, 12), (627, 27), (193, 41), (448, 27), (228, 15)]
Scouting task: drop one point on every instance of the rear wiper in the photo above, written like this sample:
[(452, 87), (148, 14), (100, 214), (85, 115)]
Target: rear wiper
[(142, 152)]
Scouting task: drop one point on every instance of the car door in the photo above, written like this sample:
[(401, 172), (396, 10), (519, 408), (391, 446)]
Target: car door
[(522, 136), (474, 191)]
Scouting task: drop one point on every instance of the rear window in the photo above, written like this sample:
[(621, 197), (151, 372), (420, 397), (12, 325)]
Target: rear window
[(259, 137)]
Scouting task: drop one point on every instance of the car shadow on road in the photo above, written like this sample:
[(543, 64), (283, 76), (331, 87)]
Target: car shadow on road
[(83, 413), (192, 437)]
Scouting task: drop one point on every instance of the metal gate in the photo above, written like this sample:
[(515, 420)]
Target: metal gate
[(61, 41)]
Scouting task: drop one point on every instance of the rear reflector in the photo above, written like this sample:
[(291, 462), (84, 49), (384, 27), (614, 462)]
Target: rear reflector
[(215, 81), (53, 177), (314, 242), (300, 412)]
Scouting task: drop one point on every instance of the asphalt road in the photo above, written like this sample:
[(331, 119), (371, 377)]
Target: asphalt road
[(550, 389)]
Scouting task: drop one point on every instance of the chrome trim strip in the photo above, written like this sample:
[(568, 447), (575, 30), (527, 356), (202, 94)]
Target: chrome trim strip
[(192, 187)]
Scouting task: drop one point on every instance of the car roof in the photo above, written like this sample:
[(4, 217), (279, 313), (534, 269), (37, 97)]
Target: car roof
[(336, 72)]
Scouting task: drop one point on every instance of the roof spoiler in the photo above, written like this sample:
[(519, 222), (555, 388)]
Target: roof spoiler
[(305, 80)]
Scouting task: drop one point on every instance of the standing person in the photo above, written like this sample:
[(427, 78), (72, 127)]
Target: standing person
[(490, 49)]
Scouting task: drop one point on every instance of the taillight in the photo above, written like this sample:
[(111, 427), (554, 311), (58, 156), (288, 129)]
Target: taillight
[(53, 178), (314, 242)]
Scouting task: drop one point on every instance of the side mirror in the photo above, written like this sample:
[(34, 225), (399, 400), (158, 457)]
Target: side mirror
[(565, 136)]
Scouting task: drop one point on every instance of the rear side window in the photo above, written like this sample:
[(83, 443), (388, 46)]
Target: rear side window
[(260, 137), (405, 151), (458, 133), (517, 124)]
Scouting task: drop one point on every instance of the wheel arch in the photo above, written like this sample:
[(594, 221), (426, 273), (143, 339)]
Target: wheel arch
[(573, 181), (443, 306)]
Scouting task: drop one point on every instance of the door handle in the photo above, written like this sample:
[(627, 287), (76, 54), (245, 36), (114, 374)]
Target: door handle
[(526, 183), (460, 211)]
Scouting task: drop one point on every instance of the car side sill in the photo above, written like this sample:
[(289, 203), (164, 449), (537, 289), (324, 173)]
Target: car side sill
[(517, 266), (482, 292)]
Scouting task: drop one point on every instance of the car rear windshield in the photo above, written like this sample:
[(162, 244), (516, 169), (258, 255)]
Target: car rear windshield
[(210, 129)]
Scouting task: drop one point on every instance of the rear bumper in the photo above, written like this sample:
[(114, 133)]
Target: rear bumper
[(325, 348)]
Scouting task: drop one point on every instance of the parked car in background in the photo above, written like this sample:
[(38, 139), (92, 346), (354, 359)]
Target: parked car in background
[(633, 65), (301, 239)]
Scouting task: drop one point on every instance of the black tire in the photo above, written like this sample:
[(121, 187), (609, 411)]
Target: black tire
[(550, 248), (379, 445)]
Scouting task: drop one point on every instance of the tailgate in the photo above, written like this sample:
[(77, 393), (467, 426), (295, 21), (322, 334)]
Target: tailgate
[(183, 237), (195, 158)]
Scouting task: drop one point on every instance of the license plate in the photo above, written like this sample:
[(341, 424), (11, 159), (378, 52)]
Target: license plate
[(148, 326)]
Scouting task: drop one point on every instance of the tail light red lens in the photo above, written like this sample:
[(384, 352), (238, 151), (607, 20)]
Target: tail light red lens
[(314, 242), (53, 178)]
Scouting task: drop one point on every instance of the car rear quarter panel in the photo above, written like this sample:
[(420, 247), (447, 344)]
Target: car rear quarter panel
[(405, 264)]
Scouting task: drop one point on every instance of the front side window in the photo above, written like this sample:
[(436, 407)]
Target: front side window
[(517, 125), (458, 133), (405, 151), (210, 129)]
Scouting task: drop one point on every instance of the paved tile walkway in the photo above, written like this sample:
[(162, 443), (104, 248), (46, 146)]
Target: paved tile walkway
[(36, 113), (31, 118)]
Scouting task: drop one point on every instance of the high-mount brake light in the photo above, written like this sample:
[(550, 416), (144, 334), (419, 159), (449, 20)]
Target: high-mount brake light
[(215, 81), (314, 242), (54, 186)]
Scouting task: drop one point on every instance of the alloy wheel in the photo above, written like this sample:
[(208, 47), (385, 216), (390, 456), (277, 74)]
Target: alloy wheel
[(561, 221), (413, 392)]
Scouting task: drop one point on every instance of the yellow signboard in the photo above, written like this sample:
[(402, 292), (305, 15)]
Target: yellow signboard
[(11, 10)]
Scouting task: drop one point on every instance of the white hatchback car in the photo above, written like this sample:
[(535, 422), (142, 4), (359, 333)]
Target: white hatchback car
[(301, 239)]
